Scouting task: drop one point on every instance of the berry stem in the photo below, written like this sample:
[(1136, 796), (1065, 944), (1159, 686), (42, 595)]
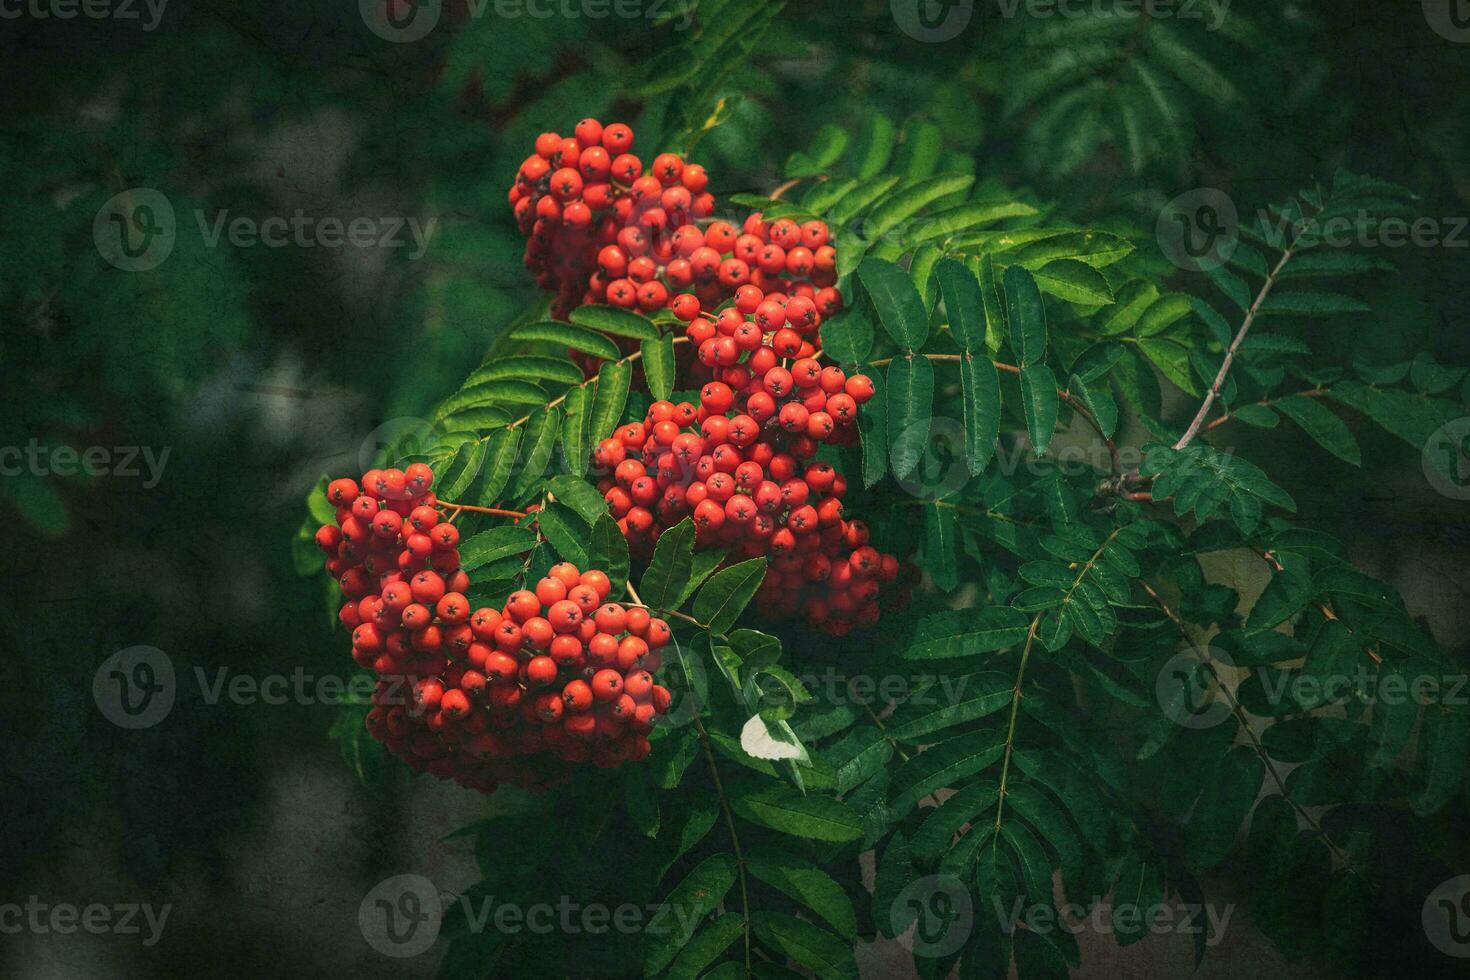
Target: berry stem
[(496, 511)]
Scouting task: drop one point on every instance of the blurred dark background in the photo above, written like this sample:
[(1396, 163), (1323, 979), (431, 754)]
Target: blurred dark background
[(258, 368)]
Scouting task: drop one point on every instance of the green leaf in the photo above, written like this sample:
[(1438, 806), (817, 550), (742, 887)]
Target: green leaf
[(616, 321), (1445, 741), (964, 304), (848, 337), (825, 149), (961, 699), (813, 947), (669, 571), (1026, 316), (507, 391), (965, 217), (813, 888), (943, 765), (609, 399), (658, 366), (576, 440), (910, 200), (951, 634), (910, 406), (1229, 795), (1311, 304), (706, 946), (896, 302), (586, 341), (1040, 404), (463, 470), (1163, 313), (565, 531), (579, 495), (518, 367), (725, 596), (1319, 422), (1172, 359), (1099, 401), (980, 391), (692, 899), (869, 154), (873, 431), (501, 453), (607, 550), (495, 544), (1074, 281), (541, 432), (810, 817), (1094, 248)]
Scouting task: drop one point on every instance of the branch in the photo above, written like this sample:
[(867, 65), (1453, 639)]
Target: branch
[(1245, 326), (714, 772), (1005, 766), (1072, 402), (1266, 402), (1245, 725)]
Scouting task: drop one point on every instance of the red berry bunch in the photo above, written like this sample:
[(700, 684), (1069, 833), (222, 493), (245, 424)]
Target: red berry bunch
[(742, 465), (709, 265), (578, 196), (519, 695)]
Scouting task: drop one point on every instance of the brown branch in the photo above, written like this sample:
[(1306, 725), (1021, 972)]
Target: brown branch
[(1245, 326)]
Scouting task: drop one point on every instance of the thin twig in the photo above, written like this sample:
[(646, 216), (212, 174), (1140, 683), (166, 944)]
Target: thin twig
[(1245, 326)]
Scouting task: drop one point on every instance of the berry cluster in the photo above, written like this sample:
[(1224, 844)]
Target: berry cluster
[(704, 267), (578, 197), (742, 465), (519, 695)]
